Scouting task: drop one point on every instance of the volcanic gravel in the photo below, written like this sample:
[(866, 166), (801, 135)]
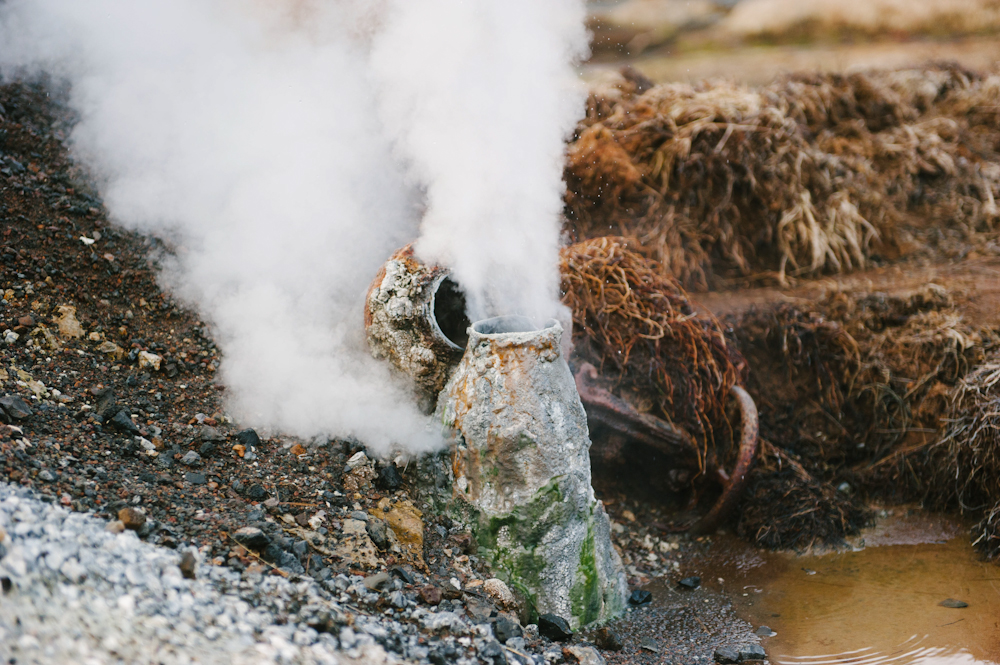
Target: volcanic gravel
[(122, 477), (75, 591)]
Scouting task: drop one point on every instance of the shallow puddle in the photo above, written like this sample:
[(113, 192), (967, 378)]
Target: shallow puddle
[(881, 604)]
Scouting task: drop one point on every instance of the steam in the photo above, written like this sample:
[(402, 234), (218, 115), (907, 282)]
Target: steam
[(290, 147), (480, 97)]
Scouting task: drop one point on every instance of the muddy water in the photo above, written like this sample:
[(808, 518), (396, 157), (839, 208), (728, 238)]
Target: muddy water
[(879, 604)]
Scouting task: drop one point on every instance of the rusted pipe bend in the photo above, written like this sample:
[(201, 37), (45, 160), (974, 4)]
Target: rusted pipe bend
[(614, 412), (748, 452)]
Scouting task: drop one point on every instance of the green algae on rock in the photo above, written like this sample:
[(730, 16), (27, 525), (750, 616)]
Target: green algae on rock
[(522, 471)]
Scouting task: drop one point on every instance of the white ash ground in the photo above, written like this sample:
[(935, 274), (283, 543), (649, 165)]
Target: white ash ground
[(75, 592)]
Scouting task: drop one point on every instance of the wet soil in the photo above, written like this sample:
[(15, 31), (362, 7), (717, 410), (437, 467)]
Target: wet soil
[(971, 281), (680, 626)]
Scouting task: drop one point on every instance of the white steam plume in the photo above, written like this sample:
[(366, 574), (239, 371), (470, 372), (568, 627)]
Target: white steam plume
[(480, 97), (261, 136)]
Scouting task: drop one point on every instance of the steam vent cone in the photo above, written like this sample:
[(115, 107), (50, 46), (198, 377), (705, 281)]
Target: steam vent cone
[(415, 318), (522, 471)]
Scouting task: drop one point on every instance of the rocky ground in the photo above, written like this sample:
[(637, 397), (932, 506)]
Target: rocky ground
[(215, 540)]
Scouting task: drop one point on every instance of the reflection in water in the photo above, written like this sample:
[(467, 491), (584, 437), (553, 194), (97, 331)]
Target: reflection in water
[(878, 605), (911, 652)]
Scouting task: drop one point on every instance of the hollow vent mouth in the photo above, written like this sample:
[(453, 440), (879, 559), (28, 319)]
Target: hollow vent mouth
[(449, 307), (500, 325)]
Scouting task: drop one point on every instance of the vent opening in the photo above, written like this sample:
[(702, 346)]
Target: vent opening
[(449, 312)]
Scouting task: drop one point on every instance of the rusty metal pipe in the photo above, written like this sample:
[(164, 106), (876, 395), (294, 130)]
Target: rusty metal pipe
[(737, 479), (614, 412)]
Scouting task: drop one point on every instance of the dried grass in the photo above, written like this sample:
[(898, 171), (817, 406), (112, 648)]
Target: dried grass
[(967, 455), (809, 174)]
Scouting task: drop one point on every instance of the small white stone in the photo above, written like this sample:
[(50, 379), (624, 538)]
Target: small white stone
[(501, 594), (73, 570), (126, 604), (147, 359), (357, 459)]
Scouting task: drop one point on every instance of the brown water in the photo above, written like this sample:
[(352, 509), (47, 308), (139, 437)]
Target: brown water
[(876, 605)]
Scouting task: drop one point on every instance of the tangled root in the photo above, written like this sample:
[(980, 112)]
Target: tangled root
[(637, 326)]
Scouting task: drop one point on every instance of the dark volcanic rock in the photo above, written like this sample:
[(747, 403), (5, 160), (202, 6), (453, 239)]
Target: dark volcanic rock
[(430, 595), (251, 538), (15, 408), (207, 449), (256, 492), (692, 582), (272, 553), (378, 532), (195, 478), (389, 478), (554, 627), (132, 447), (123, 423), (504, 629), (248, 437), (640, 597), (752, 652), (402, 574), (493, 653), (291, 563), (726, 656), (444, 655), (107, 405), (187, 565), (607, 638)]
